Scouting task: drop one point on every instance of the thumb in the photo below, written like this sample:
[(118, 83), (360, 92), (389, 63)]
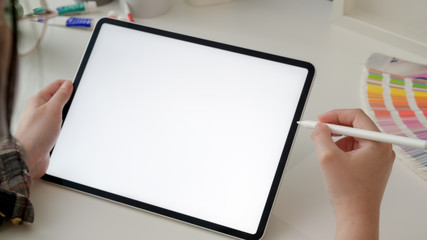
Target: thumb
[(62, 95)]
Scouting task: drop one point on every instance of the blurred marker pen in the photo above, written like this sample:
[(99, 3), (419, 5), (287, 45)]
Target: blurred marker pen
[(112, 14), (81, 7), (73, 22), (126, 10)]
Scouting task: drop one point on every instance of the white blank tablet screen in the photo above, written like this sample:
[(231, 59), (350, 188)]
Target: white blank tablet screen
[(186, 127)]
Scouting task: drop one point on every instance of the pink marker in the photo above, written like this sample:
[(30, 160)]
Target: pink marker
[(126, 10)]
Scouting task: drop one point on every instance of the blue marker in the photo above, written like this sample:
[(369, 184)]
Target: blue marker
[(73, 22)]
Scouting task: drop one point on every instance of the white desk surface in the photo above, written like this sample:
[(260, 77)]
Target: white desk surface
[(298, 29)]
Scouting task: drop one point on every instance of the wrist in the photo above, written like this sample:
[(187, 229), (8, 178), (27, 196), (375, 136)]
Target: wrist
[(357, 221), (28, 152)]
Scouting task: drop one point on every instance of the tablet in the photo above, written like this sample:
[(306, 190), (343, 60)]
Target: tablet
[(191, 129)]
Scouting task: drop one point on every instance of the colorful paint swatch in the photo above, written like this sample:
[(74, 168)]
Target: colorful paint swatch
[(394, 94)]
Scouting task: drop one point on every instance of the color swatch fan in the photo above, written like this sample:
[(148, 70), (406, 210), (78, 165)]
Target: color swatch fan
[(394, 94)]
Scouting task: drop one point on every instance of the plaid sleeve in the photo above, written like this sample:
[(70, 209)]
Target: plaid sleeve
[(15, 183)]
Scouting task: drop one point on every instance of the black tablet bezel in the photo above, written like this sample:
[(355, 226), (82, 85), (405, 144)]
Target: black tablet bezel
[(173, 214)]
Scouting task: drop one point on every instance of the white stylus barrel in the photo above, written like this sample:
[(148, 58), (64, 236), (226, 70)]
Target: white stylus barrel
[(370, 135)]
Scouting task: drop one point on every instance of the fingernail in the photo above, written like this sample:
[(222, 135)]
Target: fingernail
[(65, 84)]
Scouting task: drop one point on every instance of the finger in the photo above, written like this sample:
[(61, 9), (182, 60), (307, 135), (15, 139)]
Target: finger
[(339, 116), (47, 92), (62, 95), (348, 117), (325, 145)]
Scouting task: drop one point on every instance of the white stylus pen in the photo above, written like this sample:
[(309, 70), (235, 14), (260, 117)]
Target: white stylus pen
[(370, 135)]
